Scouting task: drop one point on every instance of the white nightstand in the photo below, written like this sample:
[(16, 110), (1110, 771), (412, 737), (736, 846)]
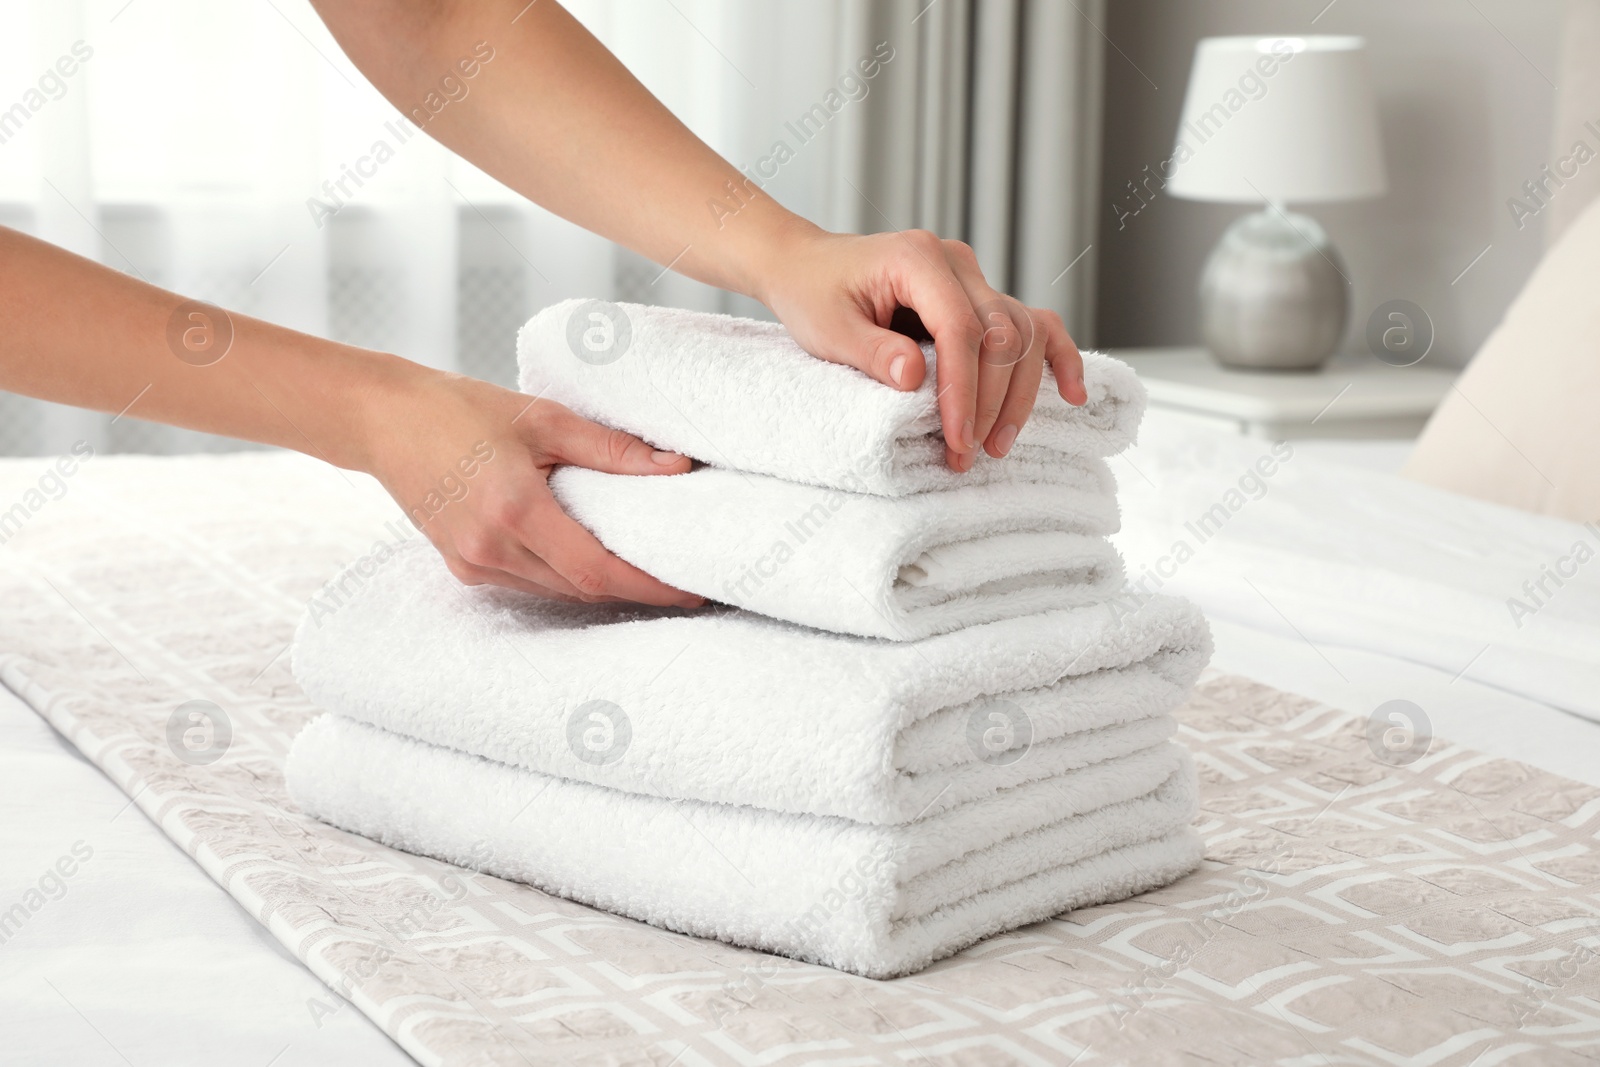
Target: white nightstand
[(1348, 397)]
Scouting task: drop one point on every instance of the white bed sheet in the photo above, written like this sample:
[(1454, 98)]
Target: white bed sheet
[(146, 960), (143, 959), (1386, 456), (1470, 713), (1284, 539), (1485, 718)]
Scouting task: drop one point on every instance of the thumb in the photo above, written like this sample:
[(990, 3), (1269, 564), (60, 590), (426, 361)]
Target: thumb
[(569, 438), (891, 358)]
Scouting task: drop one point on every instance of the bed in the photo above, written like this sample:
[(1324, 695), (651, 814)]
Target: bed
[(180, 578)]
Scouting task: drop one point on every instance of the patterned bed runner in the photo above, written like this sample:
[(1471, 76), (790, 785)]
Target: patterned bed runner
[(1350, 911)]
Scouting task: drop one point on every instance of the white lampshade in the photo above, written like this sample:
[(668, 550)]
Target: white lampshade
[(1280, 119)]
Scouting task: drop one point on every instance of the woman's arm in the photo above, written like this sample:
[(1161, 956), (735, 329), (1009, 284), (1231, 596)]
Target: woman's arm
[(556, 117), (78, 333)]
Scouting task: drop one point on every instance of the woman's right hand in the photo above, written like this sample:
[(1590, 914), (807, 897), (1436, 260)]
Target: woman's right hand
[(469, 463), (838, 294)]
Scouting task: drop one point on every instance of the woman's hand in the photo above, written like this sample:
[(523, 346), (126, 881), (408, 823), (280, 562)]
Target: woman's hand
[(837, 294), (469, 462)]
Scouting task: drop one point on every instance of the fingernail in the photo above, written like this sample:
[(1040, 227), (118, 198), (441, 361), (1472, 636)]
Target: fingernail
[(897, 367), (966, 436), (1005, 439), (692, 602), (666, 459)]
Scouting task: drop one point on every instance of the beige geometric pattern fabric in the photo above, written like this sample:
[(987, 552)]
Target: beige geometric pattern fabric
[(1349, 912)]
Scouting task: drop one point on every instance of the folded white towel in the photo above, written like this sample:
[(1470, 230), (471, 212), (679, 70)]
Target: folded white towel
[(741, 394), (879, 901), (730, 707), (894, 567)]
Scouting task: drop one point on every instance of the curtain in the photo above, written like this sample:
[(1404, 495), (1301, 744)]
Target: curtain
[(986, 127), (1577, 121), (231, 153)]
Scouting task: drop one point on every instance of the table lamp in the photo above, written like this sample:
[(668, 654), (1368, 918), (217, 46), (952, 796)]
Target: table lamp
[(1274, 121)]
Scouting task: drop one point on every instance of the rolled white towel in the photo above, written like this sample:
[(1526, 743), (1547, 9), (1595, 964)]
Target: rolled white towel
[(727, 706), (879, 901), (741, 394), (893, 567)]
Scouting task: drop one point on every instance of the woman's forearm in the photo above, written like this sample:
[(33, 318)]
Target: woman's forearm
[(556, 117), (466, 460), (553, 115), (78, 333)]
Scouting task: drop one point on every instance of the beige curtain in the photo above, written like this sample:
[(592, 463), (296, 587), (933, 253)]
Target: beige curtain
[(984, 127)]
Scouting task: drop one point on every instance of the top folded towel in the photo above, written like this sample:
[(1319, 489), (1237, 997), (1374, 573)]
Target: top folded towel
[(742, 394)]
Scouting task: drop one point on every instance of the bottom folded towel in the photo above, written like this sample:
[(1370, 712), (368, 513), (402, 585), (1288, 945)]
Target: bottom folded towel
[(880, 901)]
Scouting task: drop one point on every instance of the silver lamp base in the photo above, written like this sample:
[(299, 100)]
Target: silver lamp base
[(1273, 294)]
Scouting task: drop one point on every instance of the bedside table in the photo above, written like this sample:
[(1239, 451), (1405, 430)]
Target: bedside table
[(1349, 396)]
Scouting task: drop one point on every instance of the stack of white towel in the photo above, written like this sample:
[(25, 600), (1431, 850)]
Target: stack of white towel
[(920, 720)]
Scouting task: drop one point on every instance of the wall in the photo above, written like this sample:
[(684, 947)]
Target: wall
[(1467, 94)]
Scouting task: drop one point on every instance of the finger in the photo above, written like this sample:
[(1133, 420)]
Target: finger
[(1007, 336), (924, 281), (1066, 362), (584, 563), (960, 462), (566, 437), (889, 357), (471, 574), (998, 357), (503, 553), (1020, 396)]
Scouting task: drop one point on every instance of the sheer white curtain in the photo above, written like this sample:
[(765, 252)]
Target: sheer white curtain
[(204, 146)]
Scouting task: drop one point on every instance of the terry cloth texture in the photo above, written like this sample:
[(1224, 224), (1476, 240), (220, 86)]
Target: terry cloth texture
[(880, 901), (741, 394), (729, 707), (894, 567)]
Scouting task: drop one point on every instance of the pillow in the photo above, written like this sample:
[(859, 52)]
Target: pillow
[(1522, 425)]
